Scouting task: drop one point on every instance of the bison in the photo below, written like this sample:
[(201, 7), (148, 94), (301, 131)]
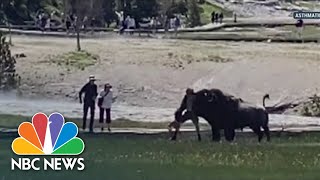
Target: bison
[(223, 111)]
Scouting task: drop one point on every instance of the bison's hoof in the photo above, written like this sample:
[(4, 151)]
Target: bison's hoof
[(216, 140), (173, 139)]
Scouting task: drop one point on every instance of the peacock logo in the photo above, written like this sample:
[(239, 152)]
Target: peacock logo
[(48, 136)]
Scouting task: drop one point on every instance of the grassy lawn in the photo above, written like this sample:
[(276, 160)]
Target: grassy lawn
[(153, 157), (208, 9), (74, 59)]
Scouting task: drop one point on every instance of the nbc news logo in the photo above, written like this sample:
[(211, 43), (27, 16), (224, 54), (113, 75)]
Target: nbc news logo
[(50, 137), (306, 15)]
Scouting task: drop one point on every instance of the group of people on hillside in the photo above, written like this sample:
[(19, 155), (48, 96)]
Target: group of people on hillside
[(104, 101), (43, 21), (125, 23), (71, 22), (130, 23), (216, 17)]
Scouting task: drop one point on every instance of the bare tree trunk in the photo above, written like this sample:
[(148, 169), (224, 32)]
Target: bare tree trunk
[(78, 41), (78, 36), (10, 39)]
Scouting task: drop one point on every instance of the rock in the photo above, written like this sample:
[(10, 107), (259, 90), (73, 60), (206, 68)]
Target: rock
[(21, 55)]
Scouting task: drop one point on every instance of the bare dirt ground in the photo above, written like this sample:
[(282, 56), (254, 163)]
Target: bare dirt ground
[(149, 76), (155, 72)]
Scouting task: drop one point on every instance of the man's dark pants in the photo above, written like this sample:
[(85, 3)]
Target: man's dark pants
[(86, 106)]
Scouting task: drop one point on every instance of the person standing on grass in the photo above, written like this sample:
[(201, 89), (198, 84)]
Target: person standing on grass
[(68, 24), (177, 24), (299, 26), (43, 21), (221, 17), (213, 17), (90, 90), (120, 21), (153, 24), (131, 24), (216, 17), (105, 101)]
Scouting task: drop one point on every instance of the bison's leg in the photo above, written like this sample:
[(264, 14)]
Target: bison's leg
[(267, 132), (198, 130), (195, 121), (215, 134), (257, 130), (229, 134)]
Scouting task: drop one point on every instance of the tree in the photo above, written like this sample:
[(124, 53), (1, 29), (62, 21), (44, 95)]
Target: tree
[(80, 9), (144, 9), (194, 14), (109, 11), (18, 11), (8, 77)]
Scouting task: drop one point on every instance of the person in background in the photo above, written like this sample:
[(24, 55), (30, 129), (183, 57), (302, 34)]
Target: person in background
[(39, 17), (153, 24), (73, 19), (105, 102), (43, 21), (177, 24), (85, 23), (171, 23), (92, 24), (213, 17), (299, 26), (131, 24), (68, 24), (90, 91), (120, 19), (221, 17), (216, 17), (48, 24)]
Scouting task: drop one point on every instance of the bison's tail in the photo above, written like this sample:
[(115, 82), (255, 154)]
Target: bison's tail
[(264, 100)]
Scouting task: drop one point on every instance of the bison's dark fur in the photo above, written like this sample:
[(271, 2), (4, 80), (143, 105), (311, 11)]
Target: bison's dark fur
[(223, 111)]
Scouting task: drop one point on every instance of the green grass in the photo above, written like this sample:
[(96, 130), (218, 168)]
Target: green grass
[(153, 157), (208, 9), (75, 59)]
